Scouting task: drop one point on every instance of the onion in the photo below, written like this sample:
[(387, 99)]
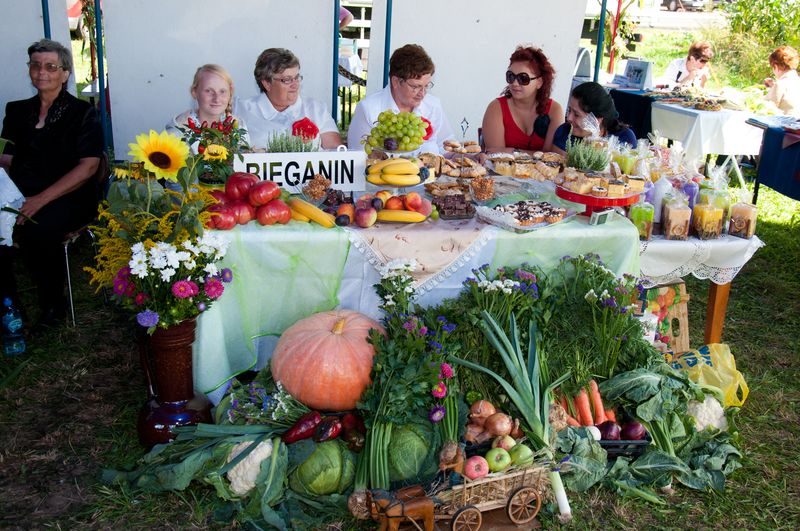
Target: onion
[(609, 430), (481, 409), (516, 431), (472, 433), (595, 432), (498, 424), (633, 431)]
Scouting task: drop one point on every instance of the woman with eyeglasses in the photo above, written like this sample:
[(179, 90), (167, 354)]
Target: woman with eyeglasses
[(524, 118), (55, 148), (410, 72), (280, 107), (692, 70), (212, 91), (587, 99)]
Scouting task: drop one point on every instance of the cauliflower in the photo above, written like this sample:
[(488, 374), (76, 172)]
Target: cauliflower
[(708, 414), (243, 475)]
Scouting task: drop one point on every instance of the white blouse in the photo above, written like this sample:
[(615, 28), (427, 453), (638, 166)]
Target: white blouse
[(263, 119)]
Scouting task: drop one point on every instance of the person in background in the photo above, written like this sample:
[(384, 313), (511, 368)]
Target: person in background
[(345, 18), (591, 98), (280, 108), (410, 73), (524, 118), (212, 90), (784, 88), (55, 149), (691, 71)]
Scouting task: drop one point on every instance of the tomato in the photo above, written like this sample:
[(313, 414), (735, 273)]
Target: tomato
[(239, 184), (263, 192), (222, 218), (219, 195), (242, 211), (276, 211)]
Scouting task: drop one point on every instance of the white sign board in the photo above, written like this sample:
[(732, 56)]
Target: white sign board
[(345, 169), (639, 74)]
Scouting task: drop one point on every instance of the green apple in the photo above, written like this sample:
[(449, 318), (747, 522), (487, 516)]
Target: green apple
[(499, 459), (521, 455)]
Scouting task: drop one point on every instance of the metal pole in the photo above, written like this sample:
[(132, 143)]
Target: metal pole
[(101, 76), (335, 81), (46, 18), (387, 42), (598, 58)]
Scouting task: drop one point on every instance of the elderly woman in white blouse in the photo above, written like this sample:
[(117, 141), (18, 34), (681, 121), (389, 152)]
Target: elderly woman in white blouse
[(280, 107)]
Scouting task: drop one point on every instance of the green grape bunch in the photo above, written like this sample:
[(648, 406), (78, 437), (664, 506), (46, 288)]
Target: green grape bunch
[(395, 132)]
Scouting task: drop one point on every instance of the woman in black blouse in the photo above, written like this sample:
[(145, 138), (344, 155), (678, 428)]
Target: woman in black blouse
[(54, 151)]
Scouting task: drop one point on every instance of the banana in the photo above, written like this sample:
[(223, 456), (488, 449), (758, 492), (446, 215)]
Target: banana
[(297, 216), (400, 179), (401, 216), (376, 180), (397, 165), (311, 212)]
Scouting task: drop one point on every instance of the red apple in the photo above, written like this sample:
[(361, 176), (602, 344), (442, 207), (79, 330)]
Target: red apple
[(413, 201), (239, 183), (476, 467), (263, 192), (221, 217), (506, 442), (276, 211), (394, 203), (425, 208), (498, 459), (366, 217), (242, 211)]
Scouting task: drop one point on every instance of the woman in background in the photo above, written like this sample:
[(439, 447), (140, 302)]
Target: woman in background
[(784, 88), (524, 118), (693, 70), (591, 98), (280, 108)]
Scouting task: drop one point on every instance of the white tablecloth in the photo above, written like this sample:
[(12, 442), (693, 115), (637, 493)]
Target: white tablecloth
[(663, 261), (352, 63), (703, 132)]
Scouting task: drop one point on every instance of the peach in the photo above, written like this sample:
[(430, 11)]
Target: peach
[(383, 195), (394, 203), (413, 201), (366, 217), (347, 209), (425, 208)]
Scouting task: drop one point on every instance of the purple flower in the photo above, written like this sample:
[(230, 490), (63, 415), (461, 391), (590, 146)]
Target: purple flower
[(226, 275), (449, 327), (521, 274), (437, 414), (120, 286), (435, 345), (423, 330), (442, 319), (201, 306), (409, 325), (147, 318)]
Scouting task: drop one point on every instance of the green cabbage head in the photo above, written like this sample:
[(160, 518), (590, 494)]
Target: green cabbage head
[(328, 469), (408, 451)]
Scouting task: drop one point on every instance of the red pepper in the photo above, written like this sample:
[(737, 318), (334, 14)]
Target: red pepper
[(201, 148), (303, 428), (328, 429), (353, 421)]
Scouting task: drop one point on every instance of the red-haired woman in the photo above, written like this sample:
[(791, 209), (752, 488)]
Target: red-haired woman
[(524, 118)]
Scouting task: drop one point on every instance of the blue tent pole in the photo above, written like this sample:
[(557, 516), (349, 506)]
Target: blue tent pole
[(101, 77), (601, 34), (335, 82), (387, 42), (46, 18)]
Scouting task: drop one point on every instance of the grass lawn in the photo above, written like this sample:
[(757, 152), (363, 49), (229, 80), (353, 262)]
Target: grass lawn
[(69, 408)]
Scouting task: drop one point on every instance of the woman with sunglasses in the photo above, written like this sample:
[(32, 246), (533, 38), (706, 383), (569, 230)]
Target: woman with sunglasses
[(591, 99), (55, 148), (410, 73), (524, 118), (693, 70), (279, 107)]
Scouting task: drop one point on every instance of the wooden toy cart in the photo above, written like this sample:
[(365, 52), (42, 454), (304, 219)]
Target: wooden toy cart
[(520, 492)]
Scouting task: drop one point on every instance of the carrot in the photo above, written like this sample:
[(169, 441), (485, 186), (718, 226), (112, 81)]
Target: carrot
[(597, 403), (572, 422), (583, 408), (610, 415), (563, 401)]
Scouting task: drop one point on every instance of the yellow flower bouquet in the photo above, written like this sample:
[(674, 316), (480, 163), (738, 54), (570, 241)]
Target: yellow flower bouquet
[(152, 250)]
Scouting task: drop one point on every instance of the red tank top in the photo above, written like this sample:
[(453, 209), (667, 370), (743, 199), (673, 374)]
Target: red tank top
[(516, 137)]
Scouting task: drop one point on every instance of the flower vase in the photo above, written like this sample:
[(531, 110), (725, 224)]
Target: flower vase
[(167, 361)]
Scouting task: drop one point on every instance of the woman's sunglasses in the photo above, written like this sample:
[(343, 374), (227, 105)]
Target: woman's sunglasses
[(522, 78)]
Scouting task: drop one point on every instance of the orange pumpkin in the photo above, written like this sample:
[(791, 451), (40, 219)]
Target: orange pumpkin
[(324, 360)]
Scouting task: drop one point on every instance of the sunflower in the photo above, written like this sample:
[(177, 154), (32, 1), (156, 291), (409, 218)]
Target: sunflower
[(215, 152), (163, 154)]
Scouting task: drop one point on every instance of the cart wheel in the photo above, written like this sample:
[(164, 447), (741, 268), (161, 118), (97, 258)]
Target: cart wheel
[(523, 505), (468, 518)]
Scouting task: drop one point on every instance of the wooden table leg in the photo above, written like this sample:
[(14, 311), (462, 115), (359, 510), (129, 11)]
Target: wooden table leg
[(715, 312)]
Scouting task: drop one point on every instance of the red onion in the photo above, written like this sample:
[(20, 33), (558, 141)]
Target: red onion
[(633, 431), (609, 430)]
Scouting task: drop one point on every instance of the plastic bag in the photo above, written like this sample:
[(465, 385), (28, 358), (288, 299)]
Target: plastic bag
[(714, 365)]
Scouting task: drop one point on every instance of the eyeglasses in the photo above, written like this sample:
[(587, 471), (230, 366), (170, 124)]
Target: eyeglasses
[(522, 78), (418, 88), (35, 66), (289, 80), (701, 60)]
